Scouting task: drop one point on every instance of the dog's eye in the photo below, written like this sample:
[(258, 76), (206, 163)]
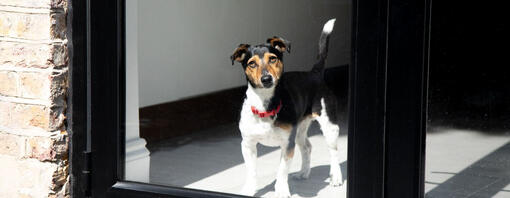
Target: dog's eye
[(252, 64), (272, 59)]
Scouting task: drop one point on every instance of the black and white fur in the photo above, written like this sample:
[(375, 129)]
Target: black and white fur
[(304, 98)]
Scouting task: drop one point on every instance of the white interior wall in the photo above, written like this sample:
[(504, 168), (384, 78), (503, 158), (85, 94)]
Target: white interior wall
[(184, 45)]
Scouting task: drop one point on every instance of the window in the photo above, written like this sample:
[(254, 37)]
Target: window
[(185, 96), (380, 64), (468, 131)]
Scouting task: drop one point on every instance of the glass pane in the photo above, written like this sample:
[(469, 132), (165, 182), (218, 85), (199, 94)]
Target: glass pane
[(199, 104), (468, 132)]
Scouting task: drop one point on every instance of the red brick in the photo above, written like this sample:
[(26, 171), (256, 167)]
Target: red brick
[(28, 26), (5, 113), (57, 118), (35, 85), (25, 177), (32, 26), (9, 83), (13, 145), (26, 116), (36, 3), (47, 148), (32, 55), (58, 26)]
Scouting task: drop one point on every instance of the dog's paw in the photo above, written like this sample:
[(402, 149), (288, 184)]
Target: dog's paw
[(335, 177), (335, 180), (281, 190), (303, 174)]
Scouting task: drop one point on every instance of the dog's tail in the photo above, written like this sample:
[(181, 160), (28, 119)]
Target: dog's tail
[(323, 46)]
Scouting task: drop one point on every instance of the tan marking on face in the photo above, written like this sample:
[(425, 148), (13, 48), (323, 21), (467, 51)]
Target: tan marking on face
[(254, 73), (285, 126), (290, 153), (314, 115), (275, 68)]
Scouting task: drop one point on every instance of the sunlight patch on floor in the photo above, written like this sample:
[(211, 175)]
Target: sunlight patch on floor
[(231, 180)]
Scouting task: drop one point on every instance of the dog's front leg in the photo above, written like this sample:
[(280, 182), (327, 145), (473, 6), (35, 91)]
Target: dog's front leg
[(249, 150), (282, 185)]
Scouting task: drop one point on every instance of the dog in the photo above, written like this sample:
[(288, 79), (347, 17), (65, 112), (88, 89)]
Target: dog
[(279, 107)]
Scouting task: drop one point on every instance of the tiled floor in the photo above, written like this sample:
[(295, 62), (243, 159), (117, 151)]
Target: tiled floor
[(459, 163), (462, 163), (215, 163)]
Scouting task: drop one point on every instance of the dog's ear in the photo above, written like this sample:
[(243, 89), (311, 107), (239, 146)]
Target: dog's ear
[(279, 43), (240, 53)]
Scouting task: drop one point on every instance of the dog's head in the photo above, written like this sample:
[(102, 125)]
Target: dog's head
[(262, 64)]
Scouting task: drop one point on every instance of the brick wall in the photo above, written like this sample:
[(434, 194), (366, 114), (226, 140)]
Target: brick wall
[(33, 84)]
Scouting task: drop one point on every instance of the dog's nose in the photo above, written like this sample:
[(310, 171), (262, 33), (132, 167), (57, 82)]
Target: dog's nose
[(266, 80)]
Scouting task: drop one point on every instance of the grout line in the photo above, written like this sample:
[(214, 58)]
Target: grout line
[(27, 101), (49, 69), (6, 9), (30, 10), (33, 41), (29, 132), (18, 6)]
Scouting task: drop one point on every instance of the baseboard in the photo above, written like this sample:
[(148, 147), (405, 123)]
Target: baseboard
[(192, 115)]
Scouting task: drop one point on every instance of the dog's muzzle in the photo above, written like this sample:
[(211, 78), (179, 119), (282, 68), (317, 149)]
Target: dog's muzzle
[(267, 81)]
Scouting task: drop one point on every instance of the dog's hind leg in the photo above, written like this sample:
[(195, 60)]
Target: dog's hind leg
[(331, 131), (305, 147)]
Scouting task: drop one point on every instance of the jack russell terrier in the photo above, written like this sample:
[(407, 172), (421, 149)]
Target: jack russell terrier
[(279, 108)]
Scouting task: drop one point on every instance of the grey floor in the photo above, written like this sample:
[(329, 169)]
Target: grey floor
[(459, 163), (214, 162), (464, 163)]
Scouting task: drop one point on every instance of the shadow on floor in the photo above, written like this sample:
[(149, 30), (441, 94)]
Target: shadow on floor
[(179, 162), (311, 186), (483, 178)]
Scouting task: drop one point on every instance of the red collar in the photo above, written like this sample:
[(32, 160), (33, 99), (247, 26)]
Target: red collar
[(267, 113)]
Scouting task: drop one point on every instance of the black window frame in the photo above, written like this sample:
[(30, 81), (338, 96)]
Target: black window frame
[(387, 101)]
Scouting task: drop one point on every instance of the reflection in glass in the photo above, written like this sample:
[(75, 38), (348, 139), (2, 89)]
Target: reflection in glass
[(468, 133), (184, 97)]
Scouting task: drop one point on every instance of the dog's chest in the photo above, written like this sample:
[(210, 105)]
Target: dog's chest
[(261, 130)]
